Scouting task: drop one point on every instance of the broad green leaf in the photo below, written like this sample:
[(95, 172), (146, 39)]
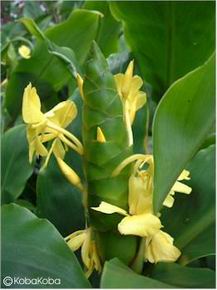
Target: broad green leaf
[(182, 121), (58, 200), (168, 38), (201, 246), (44, 70), (184, 277), (195, 235), (15, 163), (109, 28), (32, 247), (117, 275), (32, 27), (65, 54)]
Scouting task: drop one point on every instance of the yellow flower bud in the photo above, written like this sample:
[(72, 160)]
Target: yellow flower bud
[(24, 51), (100, 136)]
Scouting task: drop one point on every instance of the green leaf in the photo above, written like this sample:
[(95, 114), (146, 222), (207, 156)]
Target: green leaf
[(195, 235), (58, 200), (32, 27), (165, 46), (109, 28), (65, 54), (32, 247), (117, 275), (181, 124), (184, 277), (44, 70), (15, 163)]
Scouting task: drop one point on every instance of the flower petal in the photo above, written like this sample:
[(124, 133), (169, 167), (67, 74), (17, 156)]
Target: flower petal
[(58, 149), (76, 242), (160, 248), (181, 187), (108, 208), (31, 107), (63, 113), (140, 195), (184, 175), (169, 201), (142, 225), (141, 99)]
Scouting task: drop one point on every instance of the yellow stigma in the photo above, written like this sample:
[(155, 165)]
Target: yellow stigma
[(100, 136)]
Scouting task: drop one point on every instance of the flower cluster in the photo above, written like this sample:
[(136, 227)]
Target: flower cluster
[(49, 127), (47, 134), (141, 220)]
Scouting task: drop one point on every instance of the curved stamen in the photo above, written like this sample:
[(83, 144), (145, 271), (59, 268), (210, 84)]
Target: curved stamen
[(70, 144), (129, 160), (68, 134)]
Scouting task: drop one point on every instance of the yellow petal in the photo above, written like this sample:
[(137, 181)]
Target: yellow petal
[(63, 113), (76, 242), (58, 149), (69, 173), (24, 51), (169, 201), (40, 148), (119, 78), (129, 71), (184, 175), (31, 108), (135, 85), (141, 99), (100, 136), (108, 208), (85, 249), (160, 248), (95, 257), (140, 195), (47, 137), (181, 187), (126, 81), (139, 225)]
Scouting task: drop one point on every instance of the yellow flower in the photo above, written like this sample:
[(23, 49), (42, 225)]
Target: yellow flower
[(141, 225), (24, 51), (160, 248), (141, 184), (158, 244), (42, 128), (128, 89), (84, 239)]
